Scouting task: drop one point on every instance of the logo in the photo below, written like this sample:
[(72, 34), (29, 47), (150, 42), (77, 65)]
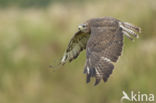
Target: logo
[(137, 97)]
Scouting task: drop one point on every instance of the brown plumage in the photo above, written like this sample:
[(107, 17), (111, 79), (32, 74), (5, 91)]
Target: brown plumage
[(103, 40)]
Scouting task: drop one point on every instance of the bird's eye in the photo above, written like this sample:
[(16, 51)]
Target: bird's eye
[(83, 25)]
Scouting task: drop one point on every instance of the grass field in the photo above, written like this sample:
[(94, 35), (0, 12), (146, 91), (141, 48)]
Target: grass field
[(31, 39)]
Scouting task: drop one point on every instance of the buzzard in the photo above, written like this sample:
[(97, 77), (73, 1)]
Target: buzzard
[(103, 40)]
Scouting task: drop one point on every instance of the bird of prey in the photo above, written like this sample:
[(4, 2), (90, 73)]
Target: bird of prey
[(103, 40)]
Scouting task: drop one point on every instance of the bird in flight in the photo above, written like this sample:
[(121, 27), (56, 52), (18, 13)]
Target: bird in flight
[(103, 40)]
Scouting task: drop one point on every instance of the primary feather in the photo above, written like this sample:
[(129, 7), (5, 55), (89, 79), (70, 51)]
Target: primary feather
[(75, 46), (103, 40)]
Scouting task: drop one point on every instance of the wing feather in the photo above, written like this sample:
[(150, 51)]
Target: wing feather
[(103, 48), (75, 46)]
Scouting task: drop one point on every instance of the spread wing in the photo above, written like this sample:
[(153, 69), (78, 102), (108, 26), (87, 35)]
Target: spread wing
[(103, 48), (75, 46)]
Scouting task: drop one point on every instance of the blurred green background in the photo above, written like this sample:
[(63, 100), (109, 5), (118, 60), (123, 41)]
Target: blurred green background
[(35, 33)]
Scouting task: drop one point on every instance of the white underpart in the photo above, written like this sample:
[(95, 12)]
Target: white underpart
[(88, 71), (128, 30), (106, 59)]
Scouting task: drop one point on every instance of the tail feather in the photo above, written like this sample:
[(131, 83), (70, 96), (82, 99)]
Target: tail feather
[(132, 27)]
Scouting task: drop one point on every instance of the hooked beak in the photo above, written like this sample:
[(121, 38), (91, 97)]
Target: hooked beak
[(80, 27)]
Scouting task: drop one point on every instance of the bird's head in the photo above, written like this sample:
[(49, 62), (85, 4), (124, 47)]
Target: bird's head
[(84, 27)]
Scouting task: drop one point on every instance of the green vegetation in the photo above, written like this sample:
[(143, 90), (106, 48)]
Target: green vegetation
[(31, 39), (35, 3)]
